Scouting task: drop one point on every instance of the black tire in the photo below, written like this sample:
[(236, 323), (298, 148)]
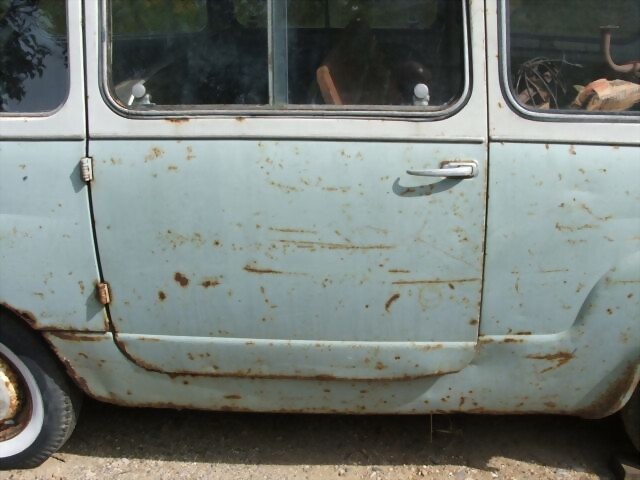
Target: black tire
[(631, 419), (57, 400)]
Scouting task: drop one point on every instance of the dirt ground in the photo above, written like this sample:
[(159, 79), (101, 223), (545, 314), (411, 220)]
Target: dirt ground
[(118, 443)]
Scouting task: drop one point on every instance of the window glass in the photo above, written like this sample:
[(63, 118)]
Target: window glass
[(34, 65), (575, 55), (282, 53)]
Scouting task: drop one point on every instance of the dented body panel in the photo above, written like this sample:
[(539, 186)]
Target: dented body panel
[(548, 250), (510, 374)]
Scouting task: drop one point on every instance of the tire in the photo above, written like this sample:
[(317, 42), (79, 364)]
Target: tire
[(50, 401), (631, 419)]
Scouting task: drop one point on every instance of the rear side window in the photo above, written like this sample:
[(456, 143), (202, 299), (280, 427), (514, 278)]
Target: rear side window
[(575, 56), (34, 63), (287, 53)]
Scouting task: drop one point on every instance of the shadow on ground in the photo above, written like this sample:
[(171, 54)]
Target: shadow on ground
[(268, 439)]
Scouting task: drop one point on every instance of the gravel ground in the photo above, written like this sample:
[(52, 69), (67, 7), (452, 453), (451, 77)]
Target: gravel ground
[(118, 443)]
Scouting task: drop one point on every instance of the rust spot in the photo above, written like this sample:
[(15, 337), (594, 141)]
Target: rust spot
[(81, 285), (399, 271), (560, 359), (462, 400), (233, 397), (394, 298), (162, 296), (473, 322), (283, 187), (172, 168), (177, 120), (380, 366), (336, 189), (513, 340), (240, 119), (210, 283), (435, 282), (153, 154), (181, 279)]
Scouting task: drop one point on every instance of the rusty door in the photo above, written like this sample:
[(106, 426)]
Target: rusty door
[(287, 245)]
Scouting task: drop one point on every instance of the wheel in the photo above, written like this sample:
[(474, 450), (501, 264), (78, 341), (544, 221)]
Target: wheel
[(38, 403), (631, 419)]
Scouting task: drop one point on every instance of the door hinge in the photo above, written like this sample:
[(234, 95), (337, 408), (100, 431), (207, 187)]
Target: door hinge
[(104, 293), (86, 169)]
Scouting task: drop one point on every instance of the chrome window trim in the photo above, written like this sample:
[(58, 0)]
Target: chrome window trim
[(50, 113), (296, 111), (539, 115)]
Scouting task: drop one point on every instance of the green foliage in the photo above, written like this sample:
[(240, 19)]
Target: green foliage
[(29, 31), (574, 17), (158, 16)]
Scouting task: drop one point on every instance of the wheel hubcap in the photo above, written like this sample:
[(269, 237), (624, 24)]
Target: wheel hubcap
[(14, 408)]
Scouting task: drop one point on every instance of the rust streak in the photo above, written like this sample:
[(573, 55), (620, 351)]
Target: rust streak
[(78, 337), (25, 315), (435, 282), (560, 358), (267, 271), (336, 246), (292, 230)]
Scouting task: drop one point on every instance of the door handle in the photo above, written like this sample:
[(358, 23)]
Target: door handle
[(463, 169)]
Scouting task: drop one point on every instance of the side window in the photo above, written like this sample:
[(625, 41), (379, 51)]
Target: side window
[(575, 55), (34, 64), (271, 54)]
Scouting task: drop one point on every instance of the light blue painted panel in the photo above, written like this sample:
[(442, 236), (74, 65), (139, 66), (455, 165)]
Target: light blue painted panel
[(560, 218), (590, 370), (302, 241), (47, 261)]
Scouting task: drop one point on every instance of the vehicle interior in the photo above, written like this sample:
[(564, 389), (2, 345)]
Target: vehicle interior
[(590, 63), (339, 52)]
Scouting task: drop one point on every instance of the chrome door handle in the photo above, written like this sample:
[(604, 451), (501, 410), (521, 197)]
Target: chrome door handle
[(464, 169)]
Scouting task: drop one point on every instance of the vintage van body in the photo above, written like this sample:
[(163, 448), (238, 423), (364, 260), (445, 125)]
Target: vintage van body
[(278, 240)]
